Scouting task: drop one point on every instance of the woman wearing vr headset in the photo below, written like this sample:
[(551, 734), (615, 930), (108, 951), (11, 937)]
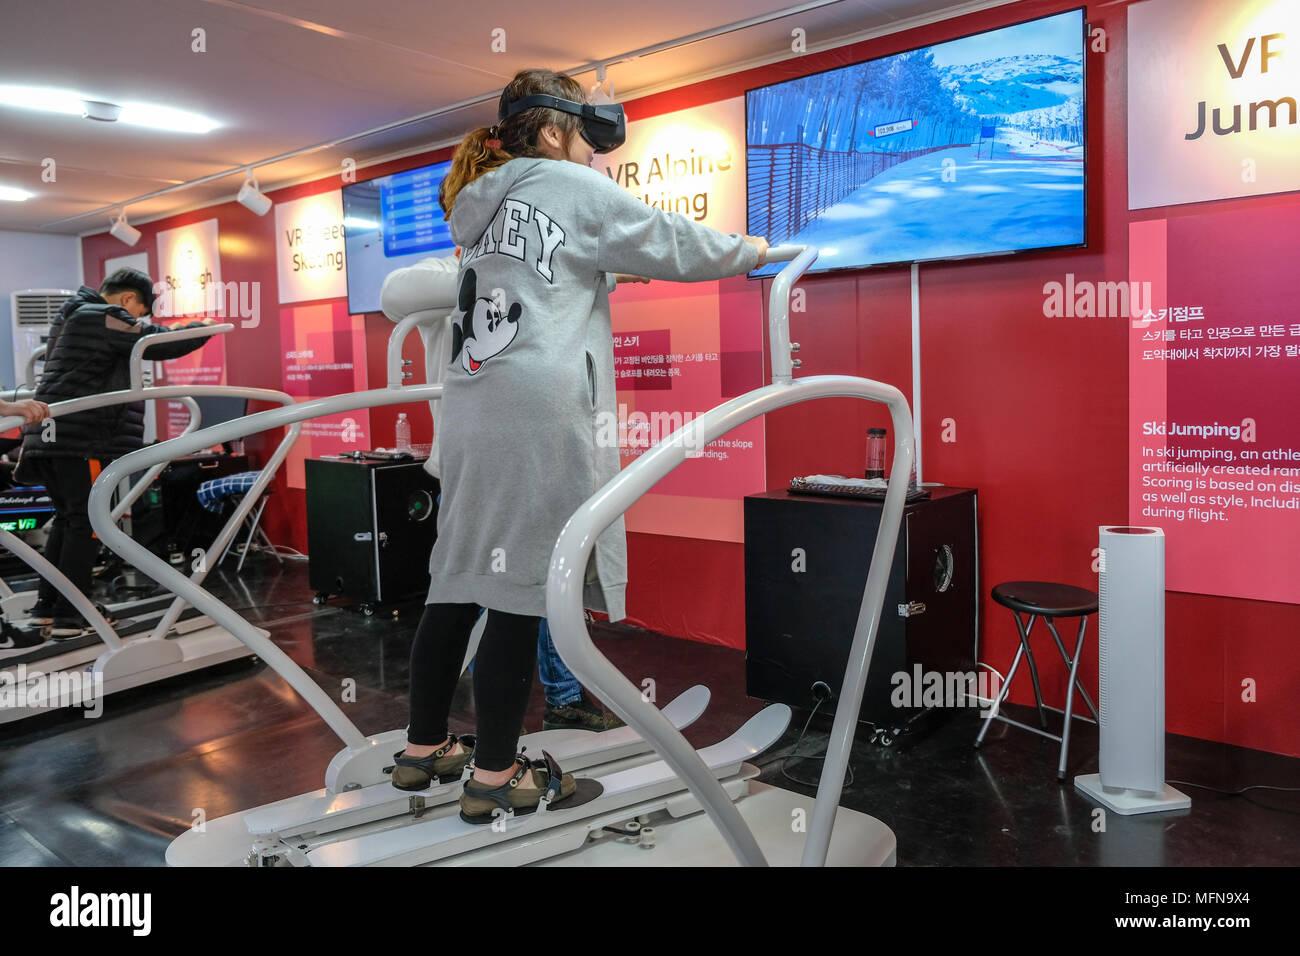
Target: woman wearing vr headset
[(529, 428)]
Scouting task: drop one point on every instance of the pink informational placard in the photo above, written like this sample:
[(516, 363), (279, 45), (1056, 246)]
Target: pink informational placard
[(676, 356), (323, 351), (1214, 393), (204, 366)]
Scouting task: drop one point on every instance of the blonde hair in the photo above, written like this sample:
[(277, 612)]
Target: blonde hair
[(517, 134)]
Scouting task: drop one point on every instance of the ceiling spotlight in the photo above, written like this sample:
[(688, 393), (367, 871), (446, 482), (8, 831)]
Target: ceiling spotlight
[(124, 231), (602, 91), (104, 112), (251, 198)]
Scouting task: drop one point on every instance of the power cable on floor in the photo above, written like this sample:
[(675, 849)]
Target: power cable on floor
[(794, 752), (1242, 793)]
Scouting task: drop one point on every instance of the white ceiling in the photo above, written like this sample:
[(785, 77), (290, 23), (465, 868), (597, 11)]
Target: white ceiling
[(280, 75)]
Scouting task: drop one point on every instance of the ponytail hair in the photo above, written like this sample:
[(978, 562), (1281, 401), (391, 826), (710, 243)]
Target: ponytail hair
[(484, 149), (473, 158)]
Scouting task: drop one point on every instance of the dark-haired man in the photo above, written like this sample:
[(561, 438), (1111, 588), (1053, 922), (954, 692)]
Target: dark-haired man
[(88, 352)]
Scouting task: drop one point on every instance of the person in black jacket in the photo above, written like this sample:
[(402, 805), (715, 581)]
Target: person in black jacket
[(88, 352)]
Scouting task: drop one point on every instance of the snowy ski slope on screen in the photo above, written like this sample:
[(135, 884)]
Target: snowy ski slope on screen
[(965, 148)]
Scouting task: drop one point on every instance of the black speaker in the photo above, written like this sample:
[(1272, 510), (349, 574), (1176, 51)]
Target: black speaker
[(370, 528), (806, 563)]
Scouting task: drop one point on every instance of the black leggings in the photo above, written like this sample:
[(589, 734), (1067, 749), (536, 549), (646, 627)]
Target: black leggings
[(503, 678)]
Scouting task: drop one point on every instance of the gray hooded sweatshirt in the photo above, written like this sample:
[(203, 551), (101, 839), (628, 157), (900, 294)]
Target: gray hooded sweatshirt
[(531, 377)]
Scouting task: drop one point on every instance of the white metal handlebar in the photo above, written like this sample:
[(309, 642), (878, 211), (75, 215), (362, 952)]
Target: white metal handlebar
[(564, 588), (38, 353), (396, 375), (181, 393), (190, 590), (147, 478), (778, 308), (158, 338)]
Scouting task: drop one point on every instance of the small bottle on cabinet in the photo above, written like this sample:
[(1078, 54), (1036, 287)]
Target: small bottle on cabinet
[(403, 433), (875, 453)]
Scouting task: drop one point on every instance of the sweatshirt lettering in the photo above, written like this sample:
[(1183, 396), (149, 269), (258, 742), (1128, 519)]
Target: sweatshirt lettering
[(513, 239)]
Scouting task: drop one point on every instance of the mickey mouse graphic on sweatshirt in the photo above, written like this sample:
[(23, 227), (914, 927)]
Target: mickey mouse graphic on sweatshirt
[(482, 330)]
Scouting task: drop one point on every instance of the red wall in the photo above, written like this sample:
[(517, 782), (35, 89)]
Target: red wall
[(1040, 407)]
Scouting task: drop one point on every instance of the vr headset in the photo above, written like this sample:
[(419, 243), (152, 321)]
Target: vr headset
[(603, 127)]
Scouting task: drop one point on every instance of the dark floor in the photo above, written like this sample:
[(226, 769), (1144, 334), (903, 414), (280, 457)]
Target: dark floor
[(116, 790)]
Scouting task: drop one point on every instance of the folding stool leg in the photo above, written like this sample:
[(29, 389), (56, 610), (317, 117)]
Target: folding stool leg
[(1002, 695), (1033, 670), (1069, 693), (1078, 644), (248, 542)]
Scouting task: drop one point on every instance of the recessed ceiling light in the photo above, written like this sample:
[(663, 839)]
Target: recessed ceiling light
[(69, 102), (14, 194), (103, 112)]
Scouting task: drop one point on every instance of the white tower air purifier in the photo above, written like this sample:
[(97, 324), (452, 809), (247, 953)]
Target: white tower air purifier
[(1131, 610)]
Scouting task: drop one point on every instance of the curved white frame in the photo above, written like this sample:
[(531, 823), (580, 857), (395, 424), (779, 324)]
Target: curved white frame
[(569, 560), (38, 353), (576, 541), (188, 589), (106, 485)]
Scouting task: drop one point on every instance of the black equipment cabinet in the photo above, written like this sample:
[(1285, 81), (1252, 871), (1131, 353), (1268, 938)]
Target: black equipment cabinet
[(806, 563), (370, 528)]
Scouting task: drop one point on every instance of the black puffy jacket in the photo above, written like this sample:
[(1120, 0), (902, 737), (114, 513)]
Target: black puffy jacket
[(89, 352)]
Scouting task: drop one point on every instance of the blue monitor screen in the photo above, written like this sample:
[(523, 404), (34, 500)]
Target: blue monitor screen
[(388, 223), (966, 148)]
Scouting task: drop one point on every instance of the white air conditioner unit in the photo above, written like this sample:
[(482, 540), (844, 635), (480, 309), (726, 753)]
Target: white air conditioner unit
[(1131, 610), (31, 311)]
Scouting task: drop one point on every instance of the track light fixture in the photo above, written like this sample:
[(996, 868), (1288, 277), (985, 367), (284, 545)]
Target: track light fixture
[(124, 231), (250, 196), (602, 91)]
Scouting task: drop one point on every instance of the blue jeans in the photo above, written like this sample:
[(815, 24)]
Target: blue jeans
[(562, 688)]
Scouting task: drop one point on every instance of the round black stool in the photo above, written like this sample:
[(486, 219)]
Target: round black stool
[(1048, 601)]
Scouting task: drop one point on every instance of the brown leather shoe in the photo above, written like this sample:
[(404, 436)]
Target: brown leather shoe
[(419, 773), (479, 802)]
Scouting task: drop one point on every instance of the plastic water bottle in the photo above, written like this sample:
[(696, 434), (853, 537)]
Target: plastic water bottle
[(875, 453), (403, 433)]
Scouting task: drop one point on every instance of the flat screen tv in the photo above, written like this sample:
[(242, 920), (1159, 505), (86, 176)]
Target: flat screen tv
[(971, 147), (388, 223)]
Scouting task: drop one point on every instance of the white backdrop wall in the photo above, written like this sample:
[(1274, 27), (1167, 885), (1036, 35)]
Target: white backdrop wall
[(32, 261)]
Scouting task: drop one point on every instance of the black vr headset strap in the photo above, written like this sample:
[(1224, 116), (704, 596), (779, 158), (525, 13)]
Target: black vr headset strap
[(607, 115)]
